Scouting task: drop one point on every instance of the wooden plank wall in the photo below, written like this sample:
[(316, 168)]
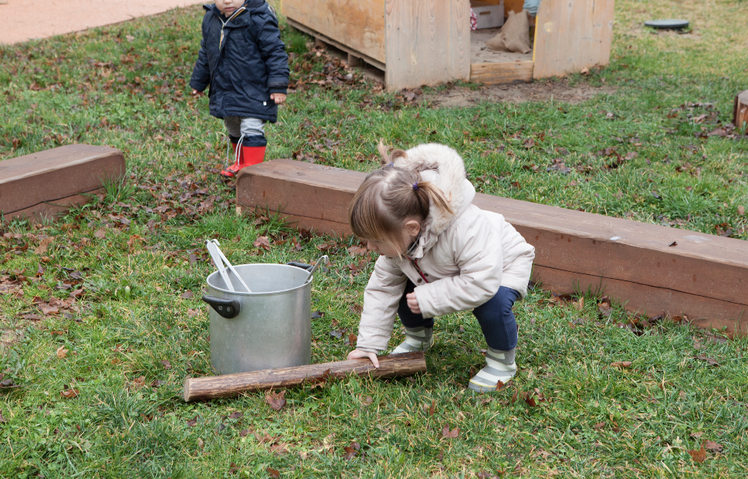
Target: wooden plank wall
[(427, 42), (358, 24), (652, 269), (572, 35)]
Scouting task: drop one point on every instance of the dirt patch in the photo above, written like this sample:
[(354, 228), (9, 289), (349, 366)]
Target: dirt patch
[(557, 90)]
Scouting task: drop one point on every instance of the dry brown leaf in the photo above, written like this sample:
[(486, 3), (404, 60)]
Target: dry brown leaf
[(357, 250), (42, 248), (446, 433), (698, 456), (276, 400), (713, 446), (351, 451), (262, 242), (62, 352), (273, 472), (69, 393), (621, 364)]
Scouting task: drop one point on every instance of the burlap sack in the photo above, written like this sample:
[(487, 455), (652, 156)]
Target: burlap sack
[(514, 35)]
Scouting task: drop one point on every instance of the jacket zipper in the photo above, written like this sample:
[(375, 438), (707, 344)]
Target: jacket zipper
[(223, 24)]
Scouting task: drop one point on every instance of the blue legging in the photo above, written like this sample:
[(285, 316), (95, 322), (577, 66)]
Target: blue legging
[(495, 317)]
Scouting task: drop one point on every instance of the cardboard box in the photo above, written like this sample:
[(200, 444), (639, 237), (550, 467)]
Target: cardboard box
[(486, 15)]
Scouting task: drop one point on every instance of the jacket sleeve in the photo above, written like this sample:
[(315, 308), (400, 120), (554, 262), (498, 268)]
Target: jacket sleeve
[(273, 52), (381, 298), (476, 246), (201, 72)]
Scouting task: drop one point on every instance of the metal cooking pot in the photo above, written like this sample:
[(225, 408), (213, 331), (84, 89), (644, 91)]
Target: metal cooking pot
[(269, 327)]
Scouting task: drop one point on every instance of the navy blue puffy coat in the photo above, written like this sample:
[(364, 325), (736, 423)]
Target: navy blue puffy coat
[(244, 68)]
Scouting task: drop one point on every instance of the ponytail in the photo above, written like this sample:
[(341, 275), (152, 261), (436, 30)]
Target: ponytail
[(388, 197)]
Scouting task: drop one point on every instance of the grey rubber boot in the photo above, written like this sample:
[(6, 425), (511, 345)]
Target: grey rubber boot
[(416, 339), (500, 366)]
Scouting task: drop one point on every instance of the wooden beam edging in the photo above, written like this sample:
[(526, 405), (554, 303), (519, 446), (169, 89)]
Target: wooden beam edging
[(48, 182), (651, 269)]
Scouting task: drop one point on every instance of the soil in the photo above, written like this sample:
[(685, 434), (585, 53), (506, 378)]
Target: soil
[(540, 90)]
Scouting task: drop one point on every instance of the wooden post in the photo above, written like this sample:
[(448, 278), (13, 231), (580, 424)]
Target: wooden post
[(229, 385), (740, 113)]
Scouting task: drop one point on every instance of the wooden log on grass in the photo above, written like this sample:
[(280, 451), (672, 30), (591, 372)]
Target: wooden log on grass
[(229, 385), (740, 113)]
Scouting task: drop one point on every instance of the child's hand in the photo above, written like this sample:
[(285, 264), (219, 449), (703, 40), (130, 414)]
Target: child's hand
[(413, 303), (358, 354), (196, 93), (278, 98)]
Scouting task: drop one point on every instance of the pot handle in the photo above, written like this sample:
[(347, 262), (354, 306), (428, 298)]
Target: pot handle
[(228, 308), (300, 265), (310, 268)]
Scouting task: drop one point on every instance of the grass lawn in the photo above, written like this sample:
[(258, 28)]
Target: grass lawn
[(100, 312)]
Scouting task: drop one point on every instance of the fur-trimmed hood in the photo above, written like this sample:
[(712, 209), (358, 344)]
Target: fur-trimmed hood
[(444, 167)]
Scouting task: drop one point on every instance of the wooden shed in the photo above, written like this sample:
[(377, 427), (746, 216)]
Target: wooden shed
[(425, 42)]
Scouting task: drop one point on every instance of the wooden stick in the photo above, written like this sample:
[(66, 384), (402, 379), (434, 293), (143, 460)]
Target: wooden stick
[(229, 385)]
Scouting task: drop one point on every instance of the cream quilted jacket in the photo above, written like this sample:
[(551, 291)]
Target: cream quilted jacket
[(463, 258)]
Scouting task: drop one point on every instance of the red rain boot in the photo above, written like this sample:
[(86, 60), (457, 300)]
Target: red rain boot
[(251, 155), (232, 170)]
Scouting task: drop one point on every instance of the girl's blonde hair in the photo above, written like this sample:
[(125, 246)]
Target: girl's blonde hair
[(388, 197)]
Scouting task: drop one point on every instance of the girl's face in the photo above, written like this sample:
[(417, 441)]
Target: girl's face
[(227, 7), (411, 228), (382, 248)]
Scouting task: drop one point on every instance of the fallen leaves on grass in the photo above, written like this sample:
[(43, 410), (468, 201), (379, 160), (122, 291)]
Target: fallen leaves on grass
[(620, 364), (262, 242), (351, 451), (276, 400), (358, 250), (69, 393), (698, 456), (710, 361), (450, 434), (62, 352), (273, 472)]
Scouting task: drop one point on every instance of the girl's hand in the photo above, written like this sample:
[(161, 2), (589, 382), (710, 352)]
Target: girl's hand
[(278, 98), (358, 354), (413, 303)]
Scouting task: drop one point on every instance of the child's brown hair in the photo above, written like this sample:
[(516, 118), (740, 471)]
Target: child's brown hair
[(388, 197)]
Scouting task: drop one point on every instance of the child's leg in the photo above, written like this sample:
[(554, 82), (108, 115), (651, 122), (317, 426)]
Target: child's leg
[(500, 330), (418, 330), (497, 321), (253, 141), (247, 137)]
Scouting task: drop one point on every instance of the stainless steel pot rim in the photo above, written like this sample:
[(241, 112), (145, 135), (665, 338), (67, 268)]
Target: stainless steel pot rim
[(211, 280)]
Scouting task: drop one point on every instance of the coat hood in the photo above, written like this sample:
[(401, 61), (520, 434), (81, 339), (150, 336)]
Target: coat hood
[(444, 167)]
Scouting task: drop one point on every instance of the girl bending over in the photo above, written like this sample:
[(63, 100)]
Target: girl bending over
[(439, 254)]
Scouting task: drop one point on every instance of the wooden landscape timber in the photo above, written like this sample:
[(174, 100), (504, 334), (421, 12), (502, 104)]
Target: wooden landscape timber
[(650, 269), (426, 42), (230, 385), (46, 183)]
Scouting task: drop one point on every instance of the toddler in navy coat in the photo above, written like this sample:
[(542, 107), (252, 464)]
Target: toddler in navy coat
[(244, 62)]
